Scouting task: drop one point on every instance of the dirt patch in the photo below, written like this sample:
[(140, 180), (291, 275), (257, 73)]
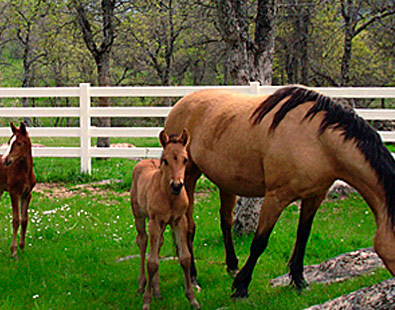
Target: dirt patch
[(55, 190)]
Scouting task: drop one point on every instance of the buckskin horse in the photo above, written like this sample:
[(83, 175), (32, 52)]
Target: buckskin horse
[(158, 193), (287, 146), (17, 177)]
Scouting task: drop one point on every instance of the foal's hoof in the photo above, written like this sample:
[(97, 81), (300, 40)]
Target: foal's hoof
[(195, 305)]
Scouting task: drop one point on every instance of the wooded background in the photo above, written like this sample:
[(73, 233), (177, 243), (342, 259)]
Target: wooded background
[(195, 42)]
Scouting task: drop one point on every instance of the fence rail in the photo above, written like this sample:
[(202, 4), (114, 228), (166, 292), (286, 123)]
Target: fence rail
[(85, 112)]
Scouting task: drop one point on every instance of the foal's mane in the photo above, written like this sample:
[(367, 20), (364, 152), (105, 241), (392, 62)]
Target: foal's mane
[(337, 116)]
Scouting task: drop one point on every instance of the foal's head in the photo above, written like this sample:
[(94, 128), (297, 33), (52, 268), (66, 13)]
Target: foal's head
[(19, 145), (174, 159)]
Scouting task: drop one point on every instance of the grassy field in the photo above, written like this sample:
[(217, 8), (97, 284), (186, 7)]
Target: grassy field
[(77, 233)]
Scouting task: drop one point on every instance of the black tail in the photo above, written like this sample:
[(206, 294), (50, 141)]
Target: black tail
[(339, 117)]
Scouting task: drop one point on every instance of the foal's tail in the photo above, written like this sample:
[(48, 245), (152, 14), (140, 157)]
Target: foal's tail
[(339, 117)]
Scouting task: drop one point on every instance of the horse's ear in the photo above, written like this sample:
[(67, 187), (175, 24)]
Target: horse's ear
[(184, 139), (163, 138), (22, 128), (13, 128)]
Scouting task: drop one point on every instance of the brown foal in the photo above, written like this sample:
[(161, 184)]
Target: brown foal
[(158, 194), (17, 178)]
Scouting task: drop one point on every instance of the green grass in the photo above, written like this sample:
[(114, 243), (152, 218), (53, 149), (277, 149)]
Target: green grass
[(73, 244)]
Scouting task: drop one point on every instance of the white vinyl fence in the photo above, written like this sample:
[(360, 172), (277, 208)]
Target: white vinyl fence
[(85, 112)]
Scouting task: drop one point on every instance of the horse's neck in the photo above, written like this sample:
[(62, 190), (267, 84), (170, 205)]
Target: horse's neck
[(368, 185), (26, 164)]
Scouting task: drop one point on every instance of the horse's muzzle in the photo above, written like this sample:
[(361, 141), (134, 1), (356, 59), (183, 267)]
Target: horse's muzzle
[(176, 187)]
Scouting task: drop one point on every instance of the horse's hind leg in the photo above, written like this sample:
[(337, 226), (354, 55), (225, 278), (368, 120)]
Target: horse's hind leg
[(180, 236), (191, 176), (15, 200), (307, 213), (25, 201), (152, 261), (228, 202)]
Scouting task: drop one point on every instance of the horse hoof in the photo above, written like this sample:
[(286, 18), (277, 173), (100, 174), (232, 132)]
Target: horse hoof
[(195, 305), (146, 307), (239, 294), (241, 291)]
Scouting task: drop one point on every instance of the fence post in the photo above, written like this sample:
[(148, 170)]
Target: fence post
[(254, 88), (85, 123)]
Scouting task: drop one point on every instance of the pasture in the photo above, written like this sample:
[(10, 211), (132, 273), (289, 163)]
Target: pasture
[(78, 232)]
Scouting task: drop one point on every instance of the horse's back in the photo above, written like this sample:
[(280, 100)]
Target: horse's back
[(223, 144)]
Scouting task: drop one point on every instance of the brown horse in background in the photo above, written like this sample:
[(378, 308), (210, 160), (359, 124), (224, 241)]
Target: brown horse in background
[(158, 193), (17, 178), (287, 146)]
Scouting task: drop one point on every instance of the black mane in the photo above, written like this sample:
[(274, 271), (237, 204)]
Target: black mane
[(339, 117)]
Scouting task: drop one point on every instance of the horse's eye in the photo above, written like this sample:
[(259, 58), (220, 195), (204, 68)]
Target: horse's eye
[(18, 144), (185, 160), (166, 162)]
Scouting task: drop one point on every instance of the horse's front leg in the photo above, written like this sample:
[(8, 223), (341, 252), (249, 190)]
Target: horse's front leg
[(15, 201), (191, 176), (25, 201), (272, 207), (141, 240), (152, 262), (180, 236), (308, 210), (228, 202)]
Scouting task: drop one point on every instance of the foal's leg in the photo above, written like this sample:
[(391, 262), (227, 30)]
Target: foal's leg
[(156, 280), (228, 202), (307, 213), (152, 261), (191, 176), (273, 204), (25, 201), (180, 235), (15, 201), (141, 241)]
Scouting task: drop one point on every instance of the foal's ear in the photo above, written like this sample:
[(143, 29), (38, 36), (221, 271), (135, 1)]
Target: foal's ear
[(22, 128), (13, 128), (163, 138), (184, 138)]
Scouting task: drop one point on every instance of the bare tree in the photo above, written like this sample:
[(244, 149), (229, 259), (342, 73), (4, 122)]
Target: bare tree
[(248, 59), (296, 48), (99, 44), (358, 15)]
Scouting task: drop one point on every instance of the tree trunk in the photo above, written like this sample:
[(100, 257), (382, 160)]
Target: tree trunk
[(103, 70), (101, 53), (248, 60)]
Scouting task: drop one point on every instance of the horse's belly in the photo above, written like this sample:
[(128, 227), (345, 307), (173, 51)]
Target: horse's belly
[(243, 177)]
